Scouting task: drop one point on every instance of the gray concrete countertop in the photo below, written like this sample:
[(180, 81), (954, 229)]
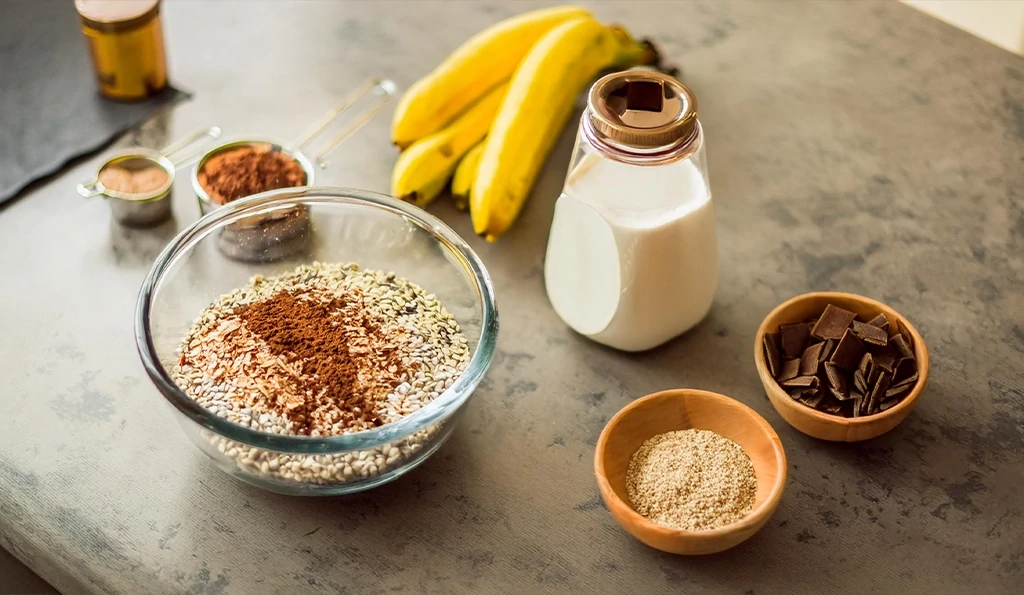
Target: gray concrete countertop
[(855, 146)]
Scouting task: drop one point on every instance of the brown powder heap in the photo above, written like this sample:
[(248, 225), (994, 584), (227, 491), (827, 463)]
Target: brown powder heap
[(348, 361), (245, 171)]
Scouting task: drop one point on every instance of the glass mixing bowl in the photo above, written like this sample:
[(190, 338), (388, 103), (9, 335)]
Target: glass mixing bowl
[(223, 250)]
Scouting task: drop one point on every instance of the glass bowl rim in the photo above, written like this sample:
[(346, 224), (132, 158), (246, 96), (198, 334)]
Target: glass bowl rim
[(430, 413)]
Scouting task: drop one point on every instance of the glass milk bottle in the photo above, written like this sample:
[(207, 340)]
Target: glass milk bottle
[(632, 259)]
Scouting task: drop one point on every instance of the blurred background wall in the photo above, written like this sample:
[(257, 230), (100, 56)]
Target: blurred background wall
[(997, 21)]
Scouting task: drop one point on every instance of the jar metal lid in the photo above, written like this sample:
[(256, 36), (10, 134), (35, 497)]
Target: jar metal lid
[(115, 16), (642, 110)]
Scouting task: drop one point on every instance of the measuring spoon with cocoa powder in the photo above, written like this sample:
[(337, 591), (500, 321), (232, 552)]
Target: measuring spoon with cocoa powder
[(242, 167), (138, 181)]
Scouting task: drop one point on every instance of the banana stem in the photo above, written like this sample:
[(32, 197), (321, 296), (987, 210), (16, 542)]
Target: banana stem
[(651, 56), (634, 52)]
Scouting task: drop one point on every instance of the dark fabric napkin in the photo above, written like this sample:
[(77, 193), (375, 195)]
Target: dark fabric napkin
[(50, 109)]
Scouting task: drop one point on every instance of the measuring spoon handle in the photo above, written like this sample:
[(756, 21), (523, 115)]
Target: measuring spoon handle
[(183, 143), (380, 89)]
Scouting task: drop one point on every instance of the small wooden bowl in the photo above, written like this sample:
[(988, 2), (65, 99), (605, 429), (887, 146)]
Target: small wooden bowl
[(816, 423), (683, 409)]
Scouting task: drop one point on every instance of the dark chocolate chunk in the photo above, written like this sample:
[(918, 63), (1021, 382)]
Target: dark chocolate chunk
[(905, 333), (794, 338), (904, 385), (911, 380), (827, 350), (840, 395), (813, 399), (840, 386), (897, 390), (771, 354), (860, 382), (905, 368), (888, 404), (836, 376), (809, 360), (878, 393), (802, 382), (872, 376), (866, 361), (900, 347), (848, 352), (823, 400), (833, 323), (832, 407), (790, 369), (884, 357), (880, 321), (858, 402), (796, 393), (869, 334)]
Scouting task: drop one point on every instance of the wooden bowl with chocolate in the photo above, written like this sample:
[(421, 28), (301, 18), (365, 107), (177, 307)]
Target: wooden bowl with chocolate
[(839, 366)]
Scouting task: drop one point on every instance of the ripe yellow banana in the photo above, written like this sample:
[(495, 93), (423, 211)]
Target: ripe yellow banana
[(465, 173), (540, 100), (485, 60), (422, 171)]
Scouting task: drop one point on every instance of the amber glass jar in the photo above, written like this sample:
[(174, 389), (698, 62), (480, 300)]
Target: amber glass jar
[(127, 46)]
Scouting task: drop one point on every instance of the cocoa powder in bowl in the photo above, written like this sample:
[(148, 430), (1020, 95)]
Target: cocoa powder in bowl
[(243, 171)]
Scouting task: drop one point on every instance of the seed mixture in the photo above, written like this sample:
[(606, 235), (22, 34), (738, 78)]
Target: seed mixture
[(320, 351), (695, 480)]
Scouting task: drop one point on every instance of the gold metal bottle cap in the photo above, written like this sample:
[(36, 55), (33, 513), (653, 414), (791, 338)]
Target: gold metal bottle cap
[(113, 16), (642, 110)]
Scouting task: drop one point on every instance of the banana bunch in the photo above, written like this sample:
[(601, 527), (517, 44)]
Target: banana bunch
[(462, 182), (423, 170), (490, 114)]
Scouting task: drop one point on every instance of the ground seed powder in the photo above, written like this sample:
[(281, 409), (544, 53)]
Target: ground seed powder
[(695, 480)]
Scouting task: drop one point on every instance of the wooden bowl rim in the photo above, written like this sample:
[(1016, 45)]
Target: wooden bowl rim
[(753, 519), (923, 363)]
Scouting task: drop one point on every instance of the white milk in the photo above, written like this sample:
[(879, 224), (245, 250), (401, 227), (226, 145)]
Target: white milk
[(632, 259)]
